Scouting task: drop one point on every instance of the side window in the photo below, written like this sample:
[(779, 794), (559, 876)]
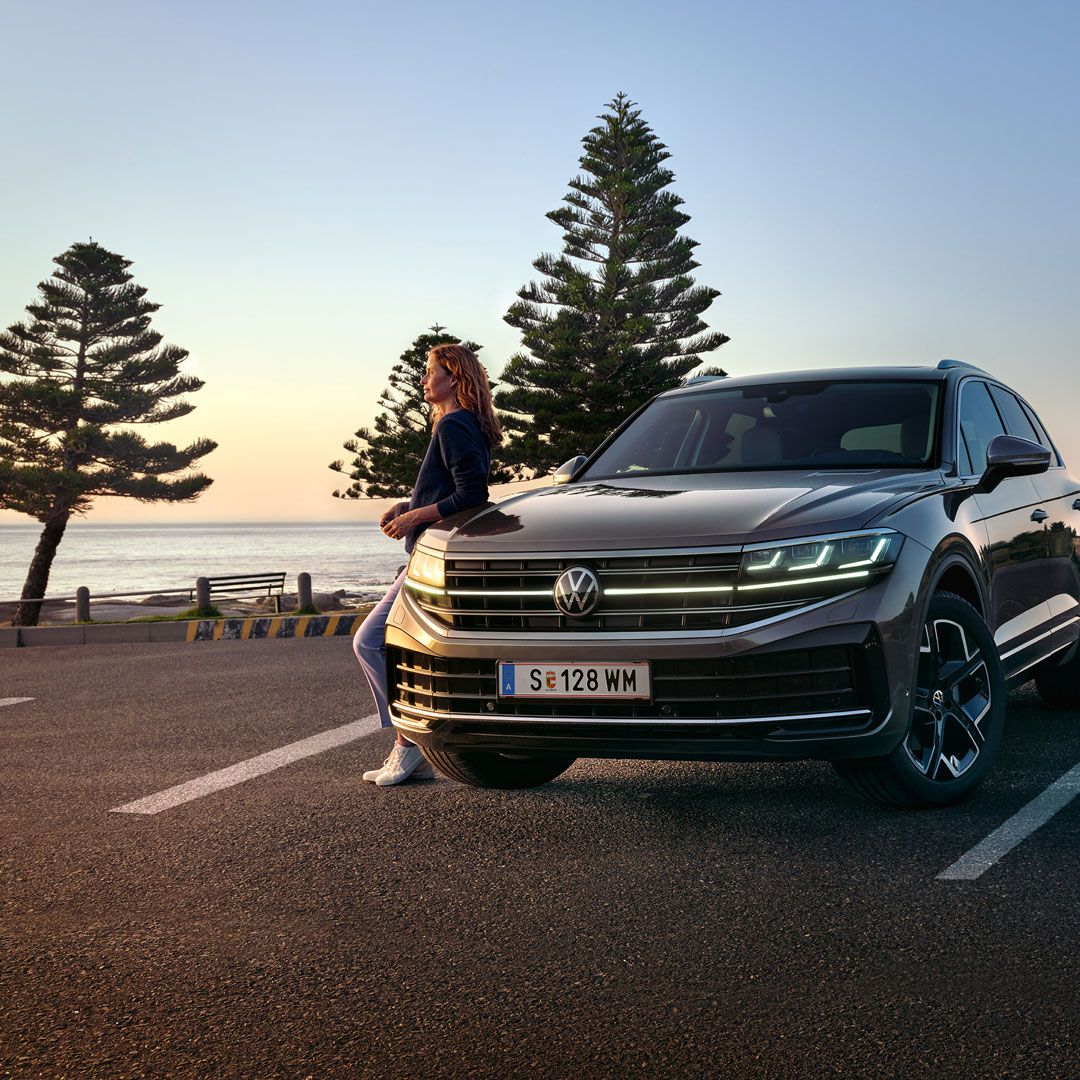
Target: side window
[(979, 423), (1040, 431), (1015, 418)]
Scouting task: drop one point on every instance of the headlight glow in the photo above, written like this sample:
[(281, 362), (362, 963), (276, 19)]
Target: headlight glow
[(851, 561), (427, 569)]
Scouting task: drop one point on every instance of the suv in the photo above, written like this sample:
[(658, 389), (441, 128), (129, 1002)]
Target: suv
[(850, 565)]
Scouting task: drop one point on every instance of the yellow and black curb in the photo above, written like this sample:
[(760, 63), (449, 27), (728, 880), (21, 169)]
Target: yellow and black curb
[(274, 626), (342, 624)]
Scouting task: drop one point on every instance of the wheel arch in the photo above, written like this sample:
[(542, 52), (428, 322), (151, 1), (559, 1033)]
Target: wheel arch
[(954, 569)]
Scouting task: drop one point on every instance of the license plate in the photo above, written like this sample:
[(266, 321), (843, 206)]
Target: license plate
[(613, 682)]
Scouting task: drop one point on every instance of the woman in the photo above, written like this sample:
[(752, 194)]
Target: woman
[(453, 477)]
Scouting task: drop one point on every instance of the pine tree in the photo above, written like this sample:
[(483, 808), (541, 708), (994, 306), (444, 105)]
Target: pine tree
[(81, 369), (617, 317), (389, 455)]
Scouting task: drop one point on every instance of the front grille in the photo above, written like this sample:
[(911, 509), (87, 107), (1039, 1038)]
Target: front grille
[(801, 683), (518, 594)]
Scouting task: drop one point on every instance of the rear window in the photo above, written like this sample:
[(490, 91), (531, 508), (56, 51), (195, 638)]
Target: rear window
[(800, 425), (1016, 420)]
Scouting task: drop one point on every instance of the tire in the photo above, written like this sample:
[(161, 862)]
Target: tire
[(489, 769), (955, 727), (1059, 687)]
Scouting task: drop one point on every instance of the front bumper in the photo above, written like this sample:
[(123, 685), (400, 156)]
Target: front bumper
[(830, 682)]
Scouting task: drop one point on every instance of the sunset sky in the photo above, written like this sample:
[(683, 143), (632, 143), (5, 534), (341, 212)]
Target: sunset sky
[(305, 188)]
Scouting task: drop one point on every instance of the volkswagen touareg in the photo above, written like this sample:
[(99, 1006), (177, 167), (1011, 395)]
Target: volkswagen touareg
[(850, 565)]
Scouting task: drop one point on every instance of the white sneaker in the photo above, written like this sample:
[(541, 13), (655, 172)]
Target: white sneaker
[(404, 762), (423, 771)]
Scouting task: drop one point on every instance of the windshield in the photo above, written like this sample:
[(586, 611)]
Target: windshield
[(799, 425)]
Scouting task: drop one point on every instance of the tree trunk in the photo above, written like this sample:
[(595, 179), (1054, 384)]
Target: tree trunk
[(37, 578)]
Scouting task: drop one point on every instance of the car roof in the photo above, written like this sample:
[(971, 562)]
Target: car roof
[(921, 373)]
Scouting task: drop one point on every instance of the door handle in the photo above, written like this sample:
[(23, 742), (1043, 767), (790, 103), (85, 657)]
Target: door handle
[(1041, 515), (1076, 504)]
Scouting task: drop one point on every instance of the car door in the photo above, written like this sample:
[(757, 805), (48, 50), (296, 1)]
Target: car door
[(1059, 500), (1017, 555)]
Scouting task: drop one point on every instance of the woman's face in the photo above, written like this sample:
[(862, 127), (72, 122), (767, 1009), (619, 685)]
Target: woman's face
[(437, 383)]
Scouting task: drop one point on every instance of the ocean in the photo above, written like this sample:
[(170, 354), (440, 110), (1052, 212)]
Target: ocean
[(124, 558)]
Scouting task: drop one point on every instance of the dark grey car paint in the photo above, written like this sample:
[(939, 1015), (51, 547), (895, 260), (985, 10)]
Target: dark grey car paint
[(1023, 575)]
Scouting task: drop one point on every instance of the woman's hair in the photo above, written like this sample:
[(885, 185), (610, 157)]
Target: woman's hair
[(472, 390)]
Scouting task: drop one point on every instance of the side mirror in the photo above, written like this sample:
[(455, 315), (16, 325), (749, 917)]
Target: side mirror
[(565, 472), (1009, 456)]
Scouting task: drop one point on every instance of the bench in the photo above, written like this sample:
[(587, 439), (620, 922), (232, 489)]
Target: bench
[(243, 586)]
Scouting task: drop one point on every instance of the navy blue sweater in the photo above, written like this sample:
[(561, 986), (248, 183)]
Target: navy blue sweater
[(454, 472)]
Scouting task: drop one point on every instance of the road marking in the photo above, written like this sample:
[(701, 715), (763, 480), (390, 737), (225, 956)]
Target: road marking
[(1020, 826), (13, 700), (248, 770)]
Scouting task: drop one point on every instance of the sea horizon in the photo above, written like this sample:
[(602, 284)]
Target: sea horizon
[(108, 557)]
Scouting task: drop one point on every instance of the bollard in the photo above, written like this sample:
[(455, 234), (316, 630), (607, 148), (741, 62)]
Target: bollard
[(303, 593), (82, 604), (202, 594)]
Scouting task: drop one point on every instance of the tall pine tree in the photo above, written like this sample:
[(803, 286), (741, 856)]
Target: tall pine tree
[(389, 455), (81, 370), (617, 317)]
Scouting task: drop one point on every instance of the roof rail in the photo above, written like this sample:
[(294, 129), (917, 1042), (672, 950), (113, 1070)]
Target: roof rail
[(945, 365), (702, 379)]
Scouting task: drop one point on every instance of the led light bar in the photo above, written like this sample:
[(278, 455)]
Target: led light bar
[(686, 589), (419, 586), (825, 552), (804, 581), (882, 544)]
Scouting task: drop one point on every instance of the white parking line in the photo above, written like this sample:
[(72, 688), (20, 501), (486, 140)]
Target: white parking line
[(248, 770), (13, 700), (1020, 826)]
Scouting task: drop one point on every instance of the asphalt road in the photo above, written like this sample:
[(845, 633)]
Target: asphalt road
[(629, 919)]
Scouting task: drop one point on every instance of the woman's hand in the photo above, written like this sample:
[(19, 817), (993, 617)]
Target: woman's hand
[(401, 523), (404, 522), (395, 510)]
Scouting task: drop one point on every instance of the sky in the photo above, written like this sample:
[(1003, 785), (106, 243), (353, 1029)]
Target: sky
[(304, 188)]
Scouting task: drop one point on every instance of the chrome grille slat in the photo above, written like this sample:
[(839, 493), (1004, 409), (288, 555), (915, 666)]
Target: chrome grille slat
[(456, 695)]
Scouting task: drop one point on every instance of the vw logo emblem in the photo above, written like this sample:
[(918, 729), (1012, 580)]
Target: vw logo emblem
[(577, 591), (939, 699)]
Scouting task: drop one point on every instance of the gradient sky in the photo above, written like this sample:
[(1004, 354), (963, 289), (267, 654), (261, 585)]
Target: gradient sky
[(306, 187)]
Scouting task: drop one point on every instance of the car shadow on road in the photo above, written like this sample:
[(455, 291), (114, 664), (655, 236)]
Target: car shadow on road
[(793, 807)]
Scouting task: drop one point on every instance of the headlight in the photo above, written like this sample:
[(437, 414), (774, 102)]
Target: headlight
[(426, 570), (848, 561)]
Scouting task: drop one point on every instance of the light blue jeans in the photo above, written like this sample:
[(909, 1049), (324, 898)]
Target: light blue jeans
[(369, 644)]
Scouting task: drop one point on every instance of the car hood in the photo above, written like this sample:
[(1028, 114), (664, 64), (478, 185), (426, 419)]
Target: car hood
[(681, 511)]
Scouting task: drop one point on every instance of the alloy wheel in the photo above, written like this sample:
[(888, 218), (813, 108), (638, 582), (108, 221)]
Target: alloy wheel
[(952, 698)]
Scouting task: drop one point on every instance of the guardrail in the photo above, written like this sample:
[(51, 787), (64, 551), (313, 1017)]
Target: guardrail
[(201, 590)]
